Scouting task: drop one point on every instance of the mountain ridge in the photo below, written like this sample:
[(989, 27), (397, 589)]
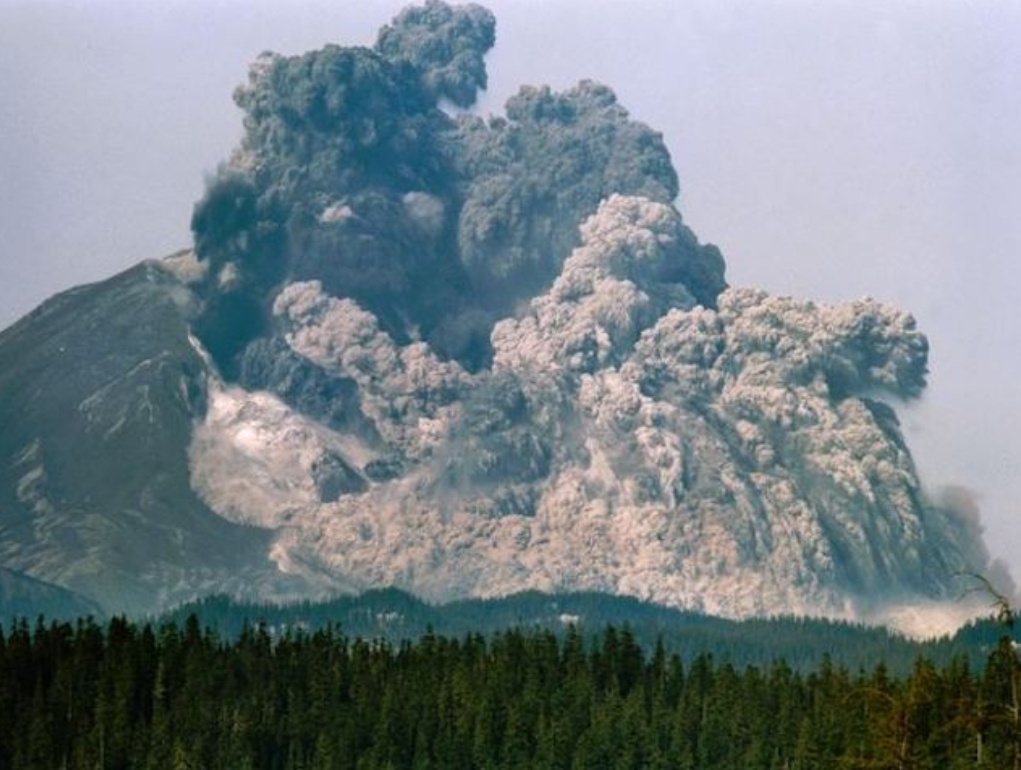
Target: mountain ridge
[(396, 617)]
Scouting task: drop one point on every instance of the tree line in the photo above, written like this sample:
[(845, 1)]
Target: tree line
[(802, 642), (129, 695)]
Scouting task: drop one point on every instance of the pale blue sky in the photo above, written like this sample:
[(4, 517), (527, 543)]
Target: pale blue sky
[(832, 149)]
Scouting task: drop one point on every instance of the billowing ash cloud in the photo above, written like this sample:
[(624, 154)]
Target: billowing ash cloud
[(633, 264), (401, 389), (444, 44), (350, 174), (545, 167), (497, 359)]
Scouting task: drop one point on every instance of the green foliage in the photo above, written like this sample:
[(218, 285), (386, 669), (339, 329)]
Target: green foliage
[(802, 642), (177, 696)]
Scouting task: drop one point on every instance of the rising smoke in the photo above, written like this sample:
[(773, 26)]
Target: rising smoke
[(520, 366), (351, 174)]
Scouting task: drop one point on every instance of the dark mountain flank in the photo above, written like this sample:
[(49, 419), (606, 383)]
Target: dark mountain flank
[(101, 388)]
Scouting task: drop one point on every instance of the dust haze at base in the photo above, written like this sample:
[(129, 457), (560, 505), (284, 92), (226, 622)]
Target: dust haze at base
[(463, 357)]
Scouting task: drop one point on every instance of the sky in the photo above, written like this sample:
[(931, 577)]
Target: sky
[(832, 149)]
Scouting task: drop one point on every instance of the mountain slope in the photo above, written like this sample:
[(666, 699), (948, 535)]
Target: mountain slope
[(25, 597), (100, 387)]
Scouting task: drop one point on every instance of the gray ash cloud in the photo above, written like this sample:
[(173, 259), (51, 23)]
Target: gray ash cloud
[(350, 173), (515, 362), (446, 46)]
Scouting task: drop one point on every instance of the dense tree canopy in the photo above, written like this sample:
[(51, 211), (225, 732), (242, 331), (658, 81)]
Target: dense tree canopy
[(126, 696)]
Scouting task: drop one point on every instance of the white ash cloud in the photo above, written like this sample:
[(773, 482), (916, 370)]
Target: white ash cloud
[(738, 456), (607, 292), (405, 391)]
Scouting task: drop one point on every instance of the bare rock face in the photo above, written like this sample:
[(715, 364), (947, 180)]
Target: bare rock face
[(461, 357)]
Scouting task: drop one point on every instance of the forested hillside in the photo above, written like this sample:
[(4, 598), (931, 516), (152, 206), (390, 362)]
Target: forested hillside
[(395, 616), (134, 697)]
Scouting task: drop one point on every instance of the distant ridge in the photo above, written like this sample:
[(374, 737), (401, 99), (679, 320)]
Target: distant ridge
[(397, 616), (25, 597)]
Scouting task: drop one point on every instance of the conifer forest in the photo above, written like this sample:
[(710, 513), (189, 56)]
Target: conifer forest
[(124, 695)]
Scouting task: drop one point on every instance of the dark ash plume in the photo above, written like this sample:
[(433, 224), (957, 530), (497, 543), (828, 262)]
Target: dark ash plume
[(445, 44), (350, 174)]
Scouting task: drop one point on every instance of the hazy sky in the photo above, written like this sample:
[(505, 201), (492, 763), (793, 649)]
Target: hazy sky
[(831, 149)]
